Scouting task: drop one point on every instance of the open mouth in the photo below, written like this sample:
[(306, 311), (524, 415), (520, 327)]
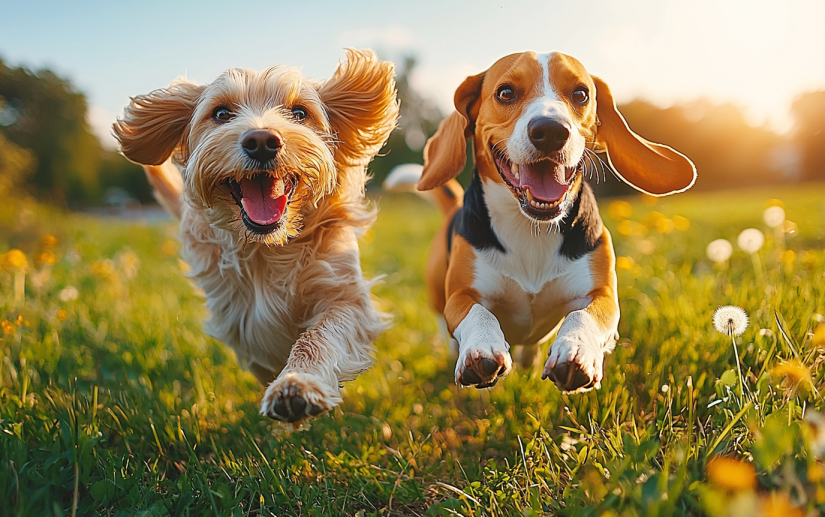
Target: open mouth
[(542, 187), (263, 199)]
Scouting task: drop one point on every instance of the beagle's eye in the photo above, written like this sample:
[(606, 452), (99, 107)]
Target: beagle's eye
[(580, 96), (505, 93), (300, 113), (222, 114)]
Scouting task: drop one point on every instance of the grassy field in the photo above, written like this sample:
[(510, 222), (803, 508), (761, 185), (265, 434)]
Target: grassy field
[(114, 402)]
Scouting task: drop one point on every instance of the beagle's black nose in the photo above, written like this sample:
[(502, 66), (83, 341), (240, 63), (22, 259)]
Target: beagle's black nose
[(548, 135), (261, 144)]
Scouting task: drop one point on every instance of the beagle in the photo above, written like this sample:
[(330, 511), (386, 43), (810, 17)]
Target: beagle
[(525, 252)]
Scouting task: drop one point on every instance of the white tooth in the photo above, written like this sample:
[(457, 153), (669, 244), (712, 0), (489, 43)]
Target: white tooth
[(529, 195), (516, 175), (514, 168), (543, 206)]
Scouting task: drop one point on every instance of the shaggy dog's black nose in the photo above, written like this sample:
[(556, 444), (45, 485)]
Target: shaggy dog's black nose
[(261, 144), (547, 135)]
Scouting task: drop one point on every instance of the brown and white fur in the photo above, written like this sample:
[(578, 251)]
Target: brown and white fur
[(271, 202), (526, 251)]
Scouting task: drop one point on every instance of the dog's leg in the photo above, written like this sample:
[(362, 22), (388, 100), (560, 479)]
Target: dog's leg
[(335, 349), (576, 359), (337, 343), (483, 353)]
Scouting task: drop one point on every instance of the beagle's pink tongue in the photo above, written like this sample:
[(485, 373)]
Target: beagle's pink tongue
[(263, 198), (542, 179)]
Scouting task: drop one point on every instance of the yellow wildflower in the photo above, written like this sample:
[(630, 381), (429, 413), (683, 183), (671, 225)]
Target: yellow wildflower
[(170, 248), (8, 327), (626, 228), (731, 474), (624, 263), (809, 259), (47, 257), (653, 217), (620, 210), (62, 315), (48, 241), (14, 259), (664, 225), (793, 372), (103, 268), (819, 335), (778, 505), (681, 223), (130, 262), (788, 257)]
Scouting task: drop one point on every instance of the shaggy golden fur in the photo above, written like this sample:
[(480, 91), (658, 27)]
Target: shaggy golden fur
[(289, 296)]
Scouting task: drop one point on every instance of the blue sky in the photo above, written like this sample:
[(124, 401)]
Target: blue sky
[(756, 53)]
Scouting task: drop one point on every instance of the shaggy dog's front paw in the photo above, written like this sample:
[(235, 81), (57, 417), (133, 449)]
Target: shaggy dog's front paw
[(576, 359), (297, 396)]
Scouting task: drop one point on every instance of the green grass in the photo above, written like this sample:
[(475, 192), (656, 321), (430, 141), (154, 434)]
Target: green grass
[(116, 403)]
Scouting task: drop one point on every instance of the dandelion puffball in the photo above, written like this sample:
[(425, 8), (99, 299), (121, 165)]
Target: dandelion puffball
[(68, 294), (774, 216), (730, 319), (719, 250), (751, 240)]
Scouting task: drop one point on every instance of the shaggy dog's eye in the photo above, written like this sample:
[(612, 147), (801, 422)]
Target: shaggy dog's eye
[(505, 93), (299, 113), (222, 114), (580, 96)]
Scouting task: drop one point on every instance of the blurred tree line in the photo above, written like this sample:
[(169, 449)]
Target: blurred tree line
[(44, 117), (48, 150)]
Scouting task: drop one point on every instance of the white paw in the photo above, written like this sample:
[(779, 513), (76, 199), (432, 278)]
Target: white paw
[(576, 359), (483, 352), (297, 396), (481, 367)]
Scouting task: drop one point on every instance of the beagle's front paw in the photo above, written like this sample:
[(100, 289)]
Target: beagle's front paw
[(297, 396), (576, 359), (483, 354), (481, 367)]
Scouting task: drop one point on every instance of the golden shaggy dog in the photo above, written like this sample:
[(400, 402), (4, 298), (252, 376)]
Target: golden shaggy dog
[(269, 189)]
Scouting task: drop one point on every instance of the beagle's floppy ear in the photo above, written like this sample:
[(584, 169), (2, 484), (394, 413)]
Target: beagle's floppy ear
[(446, 151), (154, 125), (361, 103), (652, 168)]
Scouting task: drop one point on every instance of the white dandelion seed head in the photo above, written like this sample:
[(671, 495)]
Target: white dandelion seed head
[(774, 216), (751, 240), (68, 294), (730, 318), (719, 250)]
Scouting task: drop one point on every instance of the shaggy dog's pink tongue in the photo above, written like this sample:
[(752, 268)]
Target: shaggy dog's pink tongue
[(542, 179), (263, 198)]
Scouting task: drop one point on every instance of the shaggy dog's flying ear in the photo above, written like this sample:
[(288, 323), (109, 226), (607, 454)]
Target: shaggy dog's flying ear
[(154, 125), (652, 168), (446, 152), (361, 104)]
